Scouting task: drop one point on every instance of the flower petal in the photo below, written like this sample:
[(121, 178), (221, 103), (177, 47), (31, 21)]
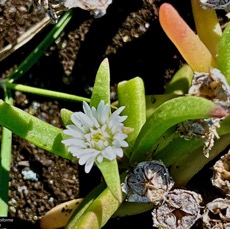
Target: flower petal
[(109, 154), (96, 134), (89, 113), (118, 151), (89, 165)]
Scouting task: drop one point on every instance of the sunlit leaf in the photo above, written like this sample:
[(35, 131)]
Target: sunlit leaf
[(223, 58), (98, 212), (167, 115), (180, 82), (207, 26), (34, 130), (101, 88), (101, 91), (131, 94)]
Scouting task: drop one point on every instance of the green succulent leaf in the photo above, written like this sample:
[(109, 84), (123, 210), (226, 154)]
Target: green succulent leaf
[(223, 57), (66, 116), (186, 157), (98, 212), (154, 101), (132, 208), (101, 88), (176, 147), (131, 94), (207, 26), (191, 163), (181, 81), (101, 91), (110, 172), (81, 209), (167, 115), (33, 129), (5, 162)]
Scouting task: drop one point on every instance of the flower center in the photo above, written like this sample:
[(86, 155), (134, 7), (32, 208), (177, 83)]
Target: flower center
[(97, 137)]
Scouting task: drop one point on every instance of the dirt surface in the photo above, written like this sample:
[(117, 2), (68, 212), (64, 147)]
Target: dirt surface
[(129, 35)]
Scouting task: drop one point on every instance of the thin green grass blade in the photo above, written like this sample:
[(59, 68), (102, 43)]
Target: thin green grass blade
[(41, 48)]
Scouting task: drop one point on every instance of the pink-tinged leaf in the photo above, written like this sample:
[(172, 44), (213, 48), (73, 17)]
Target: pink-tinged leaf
[(218, 112), (187, 42)]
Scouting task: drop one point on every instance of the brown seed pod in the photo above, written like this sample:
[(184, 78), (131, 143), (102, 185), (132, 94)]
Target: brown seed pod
[(217, 214), (149, 182), (180, 210), (221, 174)]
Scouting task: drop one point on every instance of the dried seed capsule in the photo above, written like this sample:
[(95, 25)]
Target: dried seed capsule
[(204, 129), (216, 4), (217, 214), (180, 210), (221, 174), (212, 86), (149, 182)]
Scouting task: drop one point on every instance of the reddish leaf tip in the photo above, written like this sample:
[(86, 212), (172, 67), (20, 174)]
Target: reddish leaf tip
[(218, 112)]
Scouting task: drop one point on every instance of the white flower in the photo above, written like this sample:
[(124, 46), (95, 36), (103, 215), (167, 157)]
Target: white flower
[(96, 134)]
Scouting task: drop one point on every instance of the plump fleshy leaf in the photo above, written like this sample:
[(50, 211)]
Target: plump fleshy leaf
[(83, 206), (98, 211), (185, 157), (167, 115), (223, 58), (101, 88), (180, 82), (175, 147), (111, 175), (154, 101), (5, 162), (66, 116), (187, 42), (131, 94), (101, 91), (186, 167), (33, 129), (207, 26)]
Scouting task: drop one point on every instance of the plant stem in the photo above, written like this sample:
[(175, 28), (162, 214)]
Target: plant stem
[(45, 92)]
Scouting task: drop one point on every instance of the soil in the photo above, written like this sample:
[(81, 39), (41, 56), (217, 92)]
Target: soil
[(130, 36)]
